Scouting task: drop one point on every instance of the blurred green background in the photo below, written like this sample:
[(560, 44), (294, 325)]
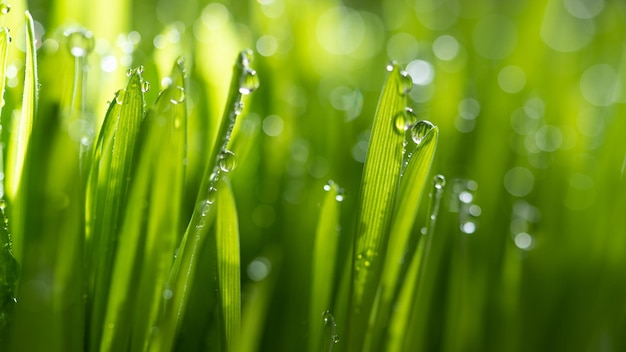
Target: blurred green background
[(530, 249)]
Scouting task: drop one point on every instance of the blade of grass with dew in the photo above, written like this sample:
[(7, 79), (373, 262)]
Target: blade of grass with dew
[(244, 82), (323, 267), (228, 266), (398, 320), (413, 181), (149, 228), (378, 194), (164, 142), (21, 131), (107, 194)]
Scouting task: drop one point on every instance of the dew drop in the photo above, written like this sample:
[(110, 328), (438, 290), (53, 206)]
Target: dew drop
[(339, 197), (129, 72), (139, 69), (249, 82), (145, 86), (79, 42), (335, 338), (119, 98), (468, 227), (211, 195), (167, 294), (328, 186), (390, 66), (227, 161), (406, 83), (238, 108), (178, 95), (327, 317), (3, 204), (404, 120), (420, 130), (203, 207), (245, 58), (439, 181), (5, 8)]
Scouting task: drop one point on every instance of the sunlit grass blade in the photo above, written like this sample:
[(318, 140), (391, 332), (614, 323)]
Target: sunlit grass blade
[(324, 258), (228, 267), (378, 195), (414, 180), (396, 333), (244, 82), (107, 196), (22, 127), (161, 171)]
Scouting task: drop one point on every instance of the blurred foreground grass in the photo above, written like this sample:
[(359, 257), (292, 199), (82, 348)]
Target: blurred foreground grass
[(528, 249)]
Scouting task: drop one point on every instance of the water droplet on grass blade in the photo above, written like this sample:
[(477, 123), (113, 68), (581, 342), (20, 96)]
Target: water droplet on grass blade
[(439, 181), (211, 195), (404, 120), (391, 65), (249, 82), (80, 42), (145, 86), (406, 83), (178, 95), (227, 161), (420, 130), (5, 8), (119, 98)]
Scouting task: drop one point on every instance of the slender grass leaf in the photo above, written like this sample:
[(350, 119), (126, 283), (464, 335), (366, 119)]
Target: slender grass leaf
[(107, 195), (378, 195), (244, 82), (228, 266), (412, 184), (21, 131), (323, 267)]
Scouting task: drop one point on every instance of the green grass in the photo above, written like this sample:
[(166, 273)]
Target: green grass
[(165, 188)]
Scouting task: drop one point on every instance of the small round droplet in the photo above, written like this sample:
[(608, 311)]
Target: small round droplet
[(328, 186), (119, 98), (178, 95), (404, 120), (335, 338), (249, 82), (139, 69), (245, 58), (390, 66), (238, 108), (406, 83), (420, 130), (3, 204), (211, 195), (168, 294), (5, 8), (80, 42), (227, 161), (327, 317), (439, 181), (145, 86), (129, 72), (339, 197)]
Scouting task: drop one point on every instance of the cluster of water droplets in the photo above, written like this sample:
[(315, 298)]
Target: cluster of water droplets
[(339, 196), (330, 336), (463, 194)]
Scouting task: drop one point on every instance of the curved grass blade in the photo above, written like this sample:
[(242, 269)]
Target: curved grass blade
[(228, 266), (412, 184), (323, 267), (107, 196), (22, 127), (378, 195), (149, 228), (244, 82)]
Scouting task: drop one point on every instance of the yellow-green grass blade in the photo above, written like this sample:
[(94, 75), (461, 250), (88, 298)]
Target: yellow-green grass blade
[(323, 267), (149, 229), (378, 196), (244, 82), (414, 180), (228, 267), (22, 127), (163, 148), (107, 196)]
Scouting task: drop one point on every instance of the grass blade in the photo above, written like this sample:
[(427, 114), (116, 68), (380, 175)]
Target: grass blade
[(228, 266), (107, 194), (378, 195), (412, 184), (244, 81), (323, 267)]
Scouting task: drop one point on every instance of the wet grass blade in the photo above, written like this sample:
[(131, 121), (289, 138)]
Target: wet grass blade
[(244, 81), (414, 181), (228, 267), (378, 195), (107, 196), (323, 267), (16, 168)]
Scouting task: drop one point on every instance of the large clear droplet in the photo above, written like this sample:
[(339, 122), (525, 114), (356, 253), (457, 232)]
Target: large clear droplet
[(178, 95), (420, 130), (406, 83), (250, 82), (404, 120), (227, 161), (79, 42)]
